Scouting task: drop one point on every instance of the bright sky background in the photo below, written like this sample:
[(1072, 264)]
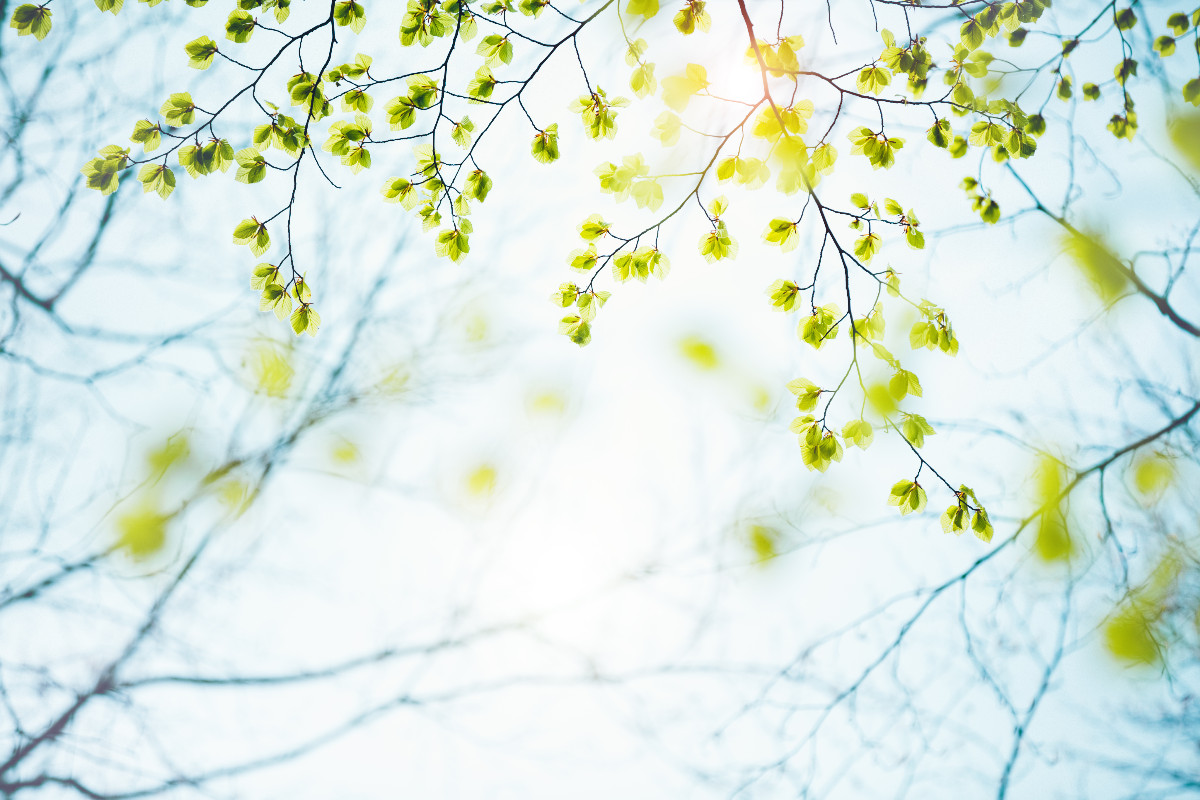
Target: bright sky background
[(622, 638)]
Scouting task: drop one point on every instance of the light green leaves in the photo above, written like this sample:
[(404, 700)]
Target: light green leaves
[(873, 79), (275, 298), (496, 49), (200, 52), (400, 190), (1125, 70), (915, 428), (866, 246), (264, 274), (692, 17), (645, 8), (859, 433), (879, 149), (482, 85), (565, 295), (478, 185), (1104, 271), (453, 243), (306, 91), (101, 173), (461, 132), (533, 8), (806, 393), (783, 233), (545, 144), (1125, 19), (252, 167), (239, 27), (596, 111), (648, 194), (347, 140), (821, 326), (30, 19), (934, 332), (821, 455), (148, 134), (253, 233), (584, 259), (157, 178), (794, 118), (350, 14), (641, 264), (283, 133), (360, 66), (179, 110), (619, 180), (401, 112), (909, 496), (357, 100), (717, 244), (422, 91), (305, 319), (577, 326), (678, 89), (593, 228), (423, 22), (214, 156), (749, 172), (666, 128), (642, 80), (904, 383), (783, 295), (1191, 91), (989, 209), (967, 513)]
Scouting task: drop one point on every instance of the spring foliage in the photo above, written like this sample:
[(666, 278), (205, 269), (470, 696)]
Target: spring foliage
[(790, 138)]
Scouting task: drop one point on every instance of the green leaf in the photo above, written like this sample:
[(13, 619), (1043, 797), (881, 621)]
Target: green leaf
[(806, 393), (252, 167), (783, 233), (200, 52), (305, 319), (783, 295), (253, 233), (866, 246), (179, 110), (873, 79), (1125, 19), (148, 134), (859, 433), (545, 144), (971, 33), (30, 19), (1191, 91), (820, 327), (915, 428), (679, 89), (909, 496), (239, 27), (1164, 46), (692, 17), (157, 178), (351, 14)]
